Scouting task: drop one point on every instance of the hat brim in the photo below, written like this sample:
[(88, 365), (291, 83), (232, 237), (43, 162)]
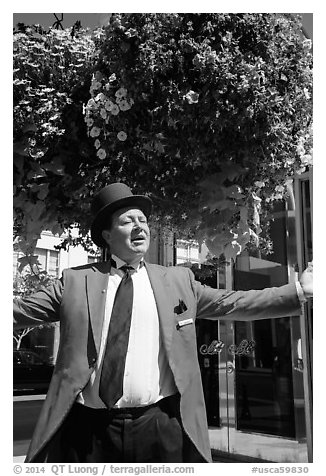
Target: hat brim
[(100, 221)]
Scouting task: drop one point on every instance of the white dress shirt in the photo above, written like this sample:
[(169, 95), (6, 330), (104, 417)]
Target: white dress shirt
[(147, 376)]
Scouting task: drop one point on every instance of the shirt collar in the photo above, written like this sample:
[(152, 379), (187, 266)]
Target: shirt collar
[(120, 262)]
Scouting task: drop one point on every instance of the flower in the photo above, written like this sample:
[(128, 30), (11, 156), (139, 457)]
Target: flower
[(300, 149), (95, 85), (95, 132), (124, 105), (101, 154), (89, 121), (91, 104), (115, 110), (112, 78), (97, 144), (122, 136), (103, 113), (100, 97), (307, 44), (108, 105), (131, 32), (306, 159), (191, 97), (122, 92)]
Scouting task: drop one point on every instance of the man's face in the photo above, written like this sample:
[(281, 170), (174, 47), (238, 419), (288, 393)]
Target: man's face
[(129, 235)]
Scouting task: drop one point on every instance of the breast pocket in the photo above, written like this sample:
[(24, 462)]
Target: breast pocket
[(185, 328)]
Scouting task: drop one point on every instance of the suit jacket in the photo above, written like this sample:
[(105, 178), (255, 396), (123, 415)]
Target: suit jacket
[(78, 301)]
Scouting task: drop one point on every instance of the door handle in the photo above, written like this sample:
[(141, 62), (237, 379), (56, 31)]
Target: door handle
[(230, 368)]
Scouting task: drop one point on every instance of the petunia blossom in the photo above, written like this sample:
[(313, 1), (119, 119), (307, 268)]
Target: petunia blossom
[(100, 97), (122, 92), (101, 154), (108, 105), (124, 105), (91, 104), (95, 85), (95, 131), (122, 136), (192, 97), (115, 110)]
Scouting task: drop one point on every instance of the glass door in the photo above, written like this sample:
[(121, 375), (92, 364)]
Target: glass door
[(257, 375), (267, 408)]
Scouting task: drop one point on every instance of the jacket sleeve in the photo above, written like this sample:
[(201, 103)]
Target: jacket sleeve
[(41, 306), (245, 305)]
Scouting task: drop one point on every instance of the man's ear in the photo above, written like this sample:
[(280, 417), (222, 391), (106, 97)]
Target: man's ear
[(106, 236)]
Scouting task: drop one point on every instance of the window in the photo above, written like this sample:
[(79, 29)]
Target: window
[(48, 261), (53, 264), (187, 252)]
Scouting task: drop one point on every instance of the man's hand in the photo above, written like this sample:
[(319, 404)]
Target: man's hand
[(306, 281)]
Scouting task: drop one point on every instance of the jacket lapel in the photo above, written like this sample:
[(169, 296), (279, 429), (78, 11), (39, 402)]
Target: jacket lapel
[(162, 292), (96, 291)]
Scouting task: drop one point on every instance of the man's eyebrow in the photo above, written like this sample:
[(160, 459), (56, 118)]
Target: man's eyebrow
[(142, 215)]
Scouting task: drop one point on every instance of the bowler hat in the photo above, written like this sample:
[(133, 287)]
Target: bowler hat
[(110, 199)]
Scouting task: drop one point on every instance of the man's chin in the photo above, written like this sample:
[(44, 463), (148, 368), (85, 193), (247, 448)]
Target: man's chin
[(139, 250)]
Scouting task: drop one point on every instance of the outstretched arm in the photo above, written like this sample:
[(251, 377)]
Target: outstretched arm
[(251, 305), (42, 306)]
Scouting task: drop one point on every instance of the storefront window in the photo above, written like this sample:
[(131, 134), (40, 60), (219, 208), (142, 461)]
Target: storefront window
[(263, 377)]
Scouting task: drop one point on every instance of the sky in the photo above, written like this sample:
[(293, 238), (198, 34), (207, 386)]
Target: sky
[(92, 20), (88, 20)]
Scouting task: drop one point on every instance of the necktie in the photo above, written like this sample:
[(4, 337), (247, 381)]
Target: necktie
[(111, 381)]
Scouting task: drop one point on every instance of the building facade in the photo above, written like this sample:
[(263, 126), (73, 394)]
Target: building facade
[(257, 376)]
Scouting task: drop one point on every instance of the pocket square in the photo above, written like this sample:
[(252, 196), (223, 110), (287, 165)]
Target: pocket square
[(185, 322), (180, 308)]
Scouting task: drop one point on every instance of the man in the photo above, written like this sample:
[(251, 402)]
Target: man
[(126, 385)]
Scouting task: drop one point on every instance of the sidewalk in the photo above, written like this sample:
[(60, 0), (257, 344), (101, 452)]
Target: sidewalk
[(18, 459), (26, 409)]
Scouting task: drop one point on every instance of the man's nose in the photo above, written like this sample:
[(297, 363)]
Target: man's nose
[(137, 226)]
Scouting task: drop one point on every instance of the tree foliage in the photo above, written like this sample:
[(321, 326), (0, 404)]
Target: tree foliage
[(208, 114), (52, 73), (29, 279)]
